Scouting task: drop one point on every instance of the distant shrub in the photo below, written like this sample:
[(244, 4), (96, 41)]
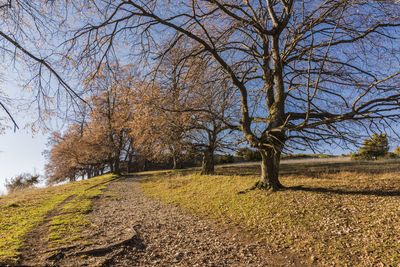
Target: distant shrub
[(324, 156), (21, 182), (397, 151), (296, 156), (228, 158), (249, 154), (377, 146), (391, 155), (354, 156)]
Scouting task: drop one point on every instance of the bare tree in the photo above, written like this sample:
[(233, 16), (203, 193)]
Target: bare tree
[(209, 132), (198, 86), (101, 140), (28, 45), (308, 72)]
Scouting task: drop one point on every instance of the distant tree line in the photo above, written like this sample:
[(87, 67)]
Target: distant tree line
[(376, 147), (287, 74), (133, 125)]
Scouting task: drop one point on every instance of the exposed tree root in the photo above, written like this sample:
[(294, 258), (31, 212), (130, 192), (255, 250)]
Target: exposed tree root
[(207, 172), (261, 186), (104, 250), (113, 249), (61, 249)]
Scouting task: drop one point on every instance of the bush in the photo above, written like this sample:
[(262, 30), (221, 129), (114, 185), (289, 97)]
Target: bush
[(226, 159), (397, 151), (324, 156), (21, 182), (296, 156), (354, 156), (249, 154), (377, 146), (391, 155)]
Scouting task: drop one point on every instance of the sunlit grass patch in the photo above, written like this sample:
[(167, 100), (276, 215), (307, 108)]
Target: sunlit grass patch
[(21, 211), (341, 218), (68, 225)]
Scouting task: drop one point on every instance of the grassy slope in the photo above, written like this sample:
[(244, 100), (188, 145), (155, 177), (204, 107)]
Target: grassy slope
[(21, 211), (343, 218)]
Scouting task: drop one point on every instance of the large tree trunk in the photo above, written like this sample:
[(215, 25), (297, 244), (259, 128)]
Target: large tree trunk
[(145, 165), (174, 162), (117, 169), (110, 163), (208, 163), (129, 165), (269, 179)]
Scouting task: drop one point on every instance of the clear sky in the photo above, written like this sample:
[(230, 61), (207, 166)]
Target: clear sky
[(20, 152)]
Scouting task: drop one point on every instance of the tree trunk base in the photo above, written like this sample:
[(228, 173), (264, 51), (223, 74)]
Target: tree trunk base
[(203, 172), (269, 187), (261, 186), (207, 167)]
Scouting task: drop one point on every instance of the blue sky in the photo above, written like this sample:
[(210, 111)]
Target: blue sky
[(20, 152)]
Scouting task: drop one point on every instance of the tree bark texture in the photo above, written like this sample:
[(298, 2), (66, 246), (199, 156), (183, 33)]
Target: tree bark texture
[(117, 169), (270, 160), (208, 163), (174, 162)]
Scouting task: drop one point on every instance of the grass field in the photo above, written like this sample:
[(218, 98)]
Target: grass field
[(344, 213), (20, 212)]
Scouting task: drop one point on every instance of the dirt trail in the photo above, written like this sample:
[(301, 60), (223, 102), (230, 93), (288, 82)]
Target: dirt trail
[(37, 245), (131, 229)]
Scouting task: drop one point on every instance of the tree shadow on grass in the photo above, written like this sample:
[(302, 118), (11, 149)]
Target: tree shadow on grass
[(380, 193), (315, 169)]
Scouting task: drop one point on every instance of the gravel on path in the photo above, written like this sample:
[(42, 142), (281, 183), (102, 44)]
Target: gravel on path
[(134, 230)]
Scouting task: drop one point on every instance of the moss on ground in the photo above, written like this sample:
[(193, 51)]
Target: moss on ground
[(21, 211), (342, 218), (68, 225)]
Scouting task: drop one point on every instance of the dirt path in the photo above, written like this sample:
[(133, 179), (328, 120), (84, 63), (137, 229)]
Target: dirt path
[(131, 229), (37, 246)]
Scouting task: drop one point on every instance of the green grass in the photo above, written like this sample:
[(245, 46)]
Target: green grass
[(336, 218), (21, 211), (66, 227)]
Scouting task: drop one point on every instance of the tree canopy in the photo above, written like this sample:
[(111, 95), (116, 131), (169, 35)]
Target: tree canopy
[(29, 37), (306, 74)]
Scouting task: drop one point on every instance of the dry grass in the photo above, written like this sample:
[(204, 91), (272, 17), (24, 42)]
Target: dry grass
[(346, 214)]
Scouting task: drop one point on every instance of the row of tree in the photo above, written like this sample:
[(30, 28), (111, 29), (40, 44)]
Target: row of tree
[(134, 123), (304, 73)]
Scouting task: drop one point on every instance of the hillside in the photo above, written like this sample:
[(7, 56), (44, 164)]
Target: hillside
[(336, 212), (108, 221), (56, 214), (344, 213)]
